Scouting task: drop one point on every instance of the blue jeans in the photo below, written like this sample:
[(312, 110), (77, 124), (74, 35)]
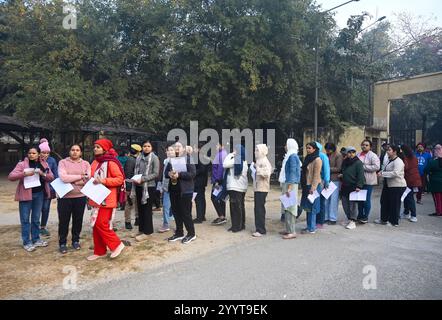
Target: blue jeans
[(365, 207), (315, 209), (331, 204), (45, 212), (166, 208), (33, 209), (410, 204)]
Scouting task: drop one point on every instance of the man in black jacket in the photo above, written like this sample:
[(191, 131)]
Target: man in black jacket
[(129, 169), (201, 178)]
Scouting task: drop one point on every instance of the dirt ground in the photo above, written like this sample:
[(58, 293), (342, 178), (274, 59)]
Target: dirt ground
[(40, 274)]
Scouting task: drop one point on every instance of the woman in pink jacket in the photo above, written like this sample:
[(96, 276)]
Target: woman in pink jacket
[(76, 171), (31, 196)]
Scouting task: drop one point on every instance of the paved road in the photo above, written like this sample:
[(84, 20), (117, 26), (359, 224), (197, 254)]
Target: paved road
[(328, 265)]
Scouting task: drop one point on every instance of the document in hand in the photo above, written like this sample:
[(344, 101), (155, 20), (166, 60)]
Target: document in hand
[(312, 197), (194, 196), (217, 191), (404, 195), (96, 192), (31, 181), (358, 196), (326, 193), (137, 178), (288, 202), (178, 164), (61, 188), (159, 186), (253, 171)]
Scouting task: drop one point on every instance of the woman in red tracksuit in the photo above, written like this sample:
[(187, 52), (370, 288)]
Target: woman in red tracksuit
[(107, 170)]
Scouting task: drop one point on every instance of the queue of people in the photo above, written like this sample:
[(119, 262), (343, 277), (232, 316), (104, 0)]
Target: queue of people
[(349, 171)]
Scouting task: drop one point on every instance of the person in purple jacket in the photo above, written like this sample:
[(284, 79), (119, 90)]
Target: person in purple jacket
[(217, 179)]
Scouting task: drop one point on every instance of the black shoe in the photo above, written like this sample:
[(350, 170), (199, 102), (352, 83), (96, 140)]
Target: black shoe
[(76, 245), (433, 214), (230, 229), (331, 223), (128, 226), (136, 222), (63, 249), (188, 239), (363, 221), (216, 221), (220, 221), (235, 231), (197, 221), (175, 238)]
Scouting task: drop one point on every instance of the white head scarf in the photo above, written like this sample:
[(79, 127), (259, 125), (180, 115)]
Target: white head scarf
[(292, 148)]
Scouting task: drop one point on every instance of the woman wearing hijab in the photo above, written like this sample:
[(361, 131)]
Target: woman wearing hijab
[(106, 170), (148, 165), (236, 183), (261, 186), (311, 182), (289, 177), (434, 172), (31, 199)]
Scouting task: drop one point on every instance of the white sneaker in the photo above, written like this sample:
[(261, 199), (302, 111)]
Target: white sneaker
[(413, 219), (29, 247), (257, 235), (351, 225), (406, 216), (40, 243)]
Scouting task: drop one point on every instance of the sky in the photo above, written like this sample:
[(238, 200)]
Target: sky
[(379, 8)]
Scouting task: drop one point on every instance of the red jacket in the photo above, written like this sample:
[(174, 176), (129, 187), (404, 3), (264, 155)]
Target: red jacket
[(412, 172), (18, 173), (113, 182)]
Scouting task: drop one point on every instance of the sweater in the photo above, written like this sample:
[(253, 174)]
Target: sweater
[(325, 169), (263, 170), (411, 172), (185, 179), (394, 173), (217, 167), (235, 183), (314, 173), (423, 159), (371, 164), (352, 175), (434, 171), (335, 160), (71, 172), (114, 181)]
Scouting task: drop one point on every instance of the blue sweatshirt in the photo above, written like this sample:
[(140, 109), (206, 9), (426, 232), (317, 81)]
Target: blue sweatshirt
[(325, 171), (422, 160)]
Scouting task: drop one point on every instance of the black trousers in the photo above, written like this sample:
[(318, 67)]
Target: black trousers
[(182, 211), (391, 204), (220, 206), (145, 223), (66, 208), (260, 212), (200, 203), (237, 210), (157, 198)]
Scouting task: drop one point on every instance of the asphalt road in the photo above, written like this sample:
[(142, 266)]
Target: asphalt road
[(402, 263)]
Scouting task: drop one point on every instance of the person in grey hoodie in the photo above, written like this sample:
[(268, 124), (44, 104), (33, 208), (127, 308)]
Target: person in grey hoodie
[(261, 172)]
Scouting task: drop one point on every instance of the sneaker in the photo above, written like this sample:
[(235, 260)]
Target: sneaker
[(413, 219), (197, 221), (388, 224), (174, 238), (142, 237), (406, 216), (331, 223), (257, 235), (45, 232), (94, 257), (76, 245), (216, 221), (136, 222), (63, 249), (40, 243), (29, 247), (163, 229), (117, 251), (379, 221), (363, 221), (306, 231), (188, 239), (128, 225), (351, 225), (289, 236), (220, 221), (395, 225)]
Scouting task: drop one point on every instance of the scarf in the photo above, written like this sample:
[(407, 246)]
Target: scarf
[(146, 158), (308, 159), (111, 156), (292, 148)]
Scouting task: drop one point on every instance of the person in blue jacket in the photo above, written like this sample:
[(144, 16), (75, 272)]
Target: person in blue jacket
[(325, 177), (45, 154), (423, 157)]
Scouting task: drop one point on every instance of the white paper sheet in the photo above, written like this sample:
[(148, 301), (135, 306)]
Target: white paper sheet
[(288, 202), (194, 196), (253, 171), (415, 189), (178, 164), (96, 192), (31, 181), (312, 197), (358, 196), (61, 188), (217, 191), (159, 186), (404, 195), (137, 178), (326, 193)]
